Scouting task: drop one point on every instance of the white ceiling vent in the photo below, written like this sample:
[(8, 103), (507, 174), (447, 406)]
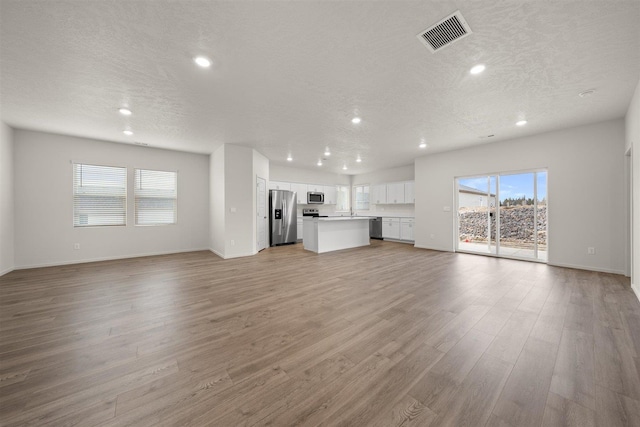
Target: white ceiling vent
[(443, 33)]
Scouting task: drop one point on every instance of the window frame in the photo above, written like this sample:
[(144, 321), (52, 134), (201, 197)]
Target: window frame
[(355, 193), (135, 198), (73, 194)]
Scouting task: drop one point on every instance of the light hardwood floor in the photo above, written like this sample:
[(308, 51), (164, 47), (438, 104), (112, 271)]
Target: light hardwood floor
[(384, 335)]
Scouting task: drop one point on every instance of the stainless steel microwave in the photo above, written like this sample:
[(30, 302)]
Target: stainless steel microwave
[(314, 198)]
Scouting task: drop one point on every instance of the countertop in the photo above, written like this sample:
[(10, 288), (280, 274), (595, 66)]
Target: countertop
[(336, 218)]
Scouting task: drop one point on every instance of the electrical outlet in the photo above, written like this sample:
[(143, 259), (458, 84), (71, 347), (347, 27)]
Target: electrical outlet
[(591, 251), (446, 208), (233, 243), (76, 246)]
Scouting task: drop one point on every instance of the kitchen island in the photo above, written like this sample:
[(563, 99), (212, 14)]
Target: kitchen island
[(325, 234)]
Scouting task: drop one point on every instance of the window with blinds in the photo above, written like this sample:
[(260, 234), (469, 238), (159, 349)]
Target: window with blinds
[(99, 195), (156, 195)]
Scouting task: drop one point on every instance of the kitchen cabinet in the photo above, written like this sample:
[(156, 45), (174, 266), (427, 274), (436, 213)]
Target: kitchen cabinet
[(410, 192), (278, 185), (406, 229), (395, 192), (301, 192), (378, 194), (299, 226), (316, 188), (391, 228), (329, 194)]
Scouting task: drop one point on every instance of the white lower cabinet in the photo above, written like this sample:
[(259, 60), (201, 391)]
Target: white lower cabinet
[(398, 229), (391, 228), (406, 229), (299, 226)]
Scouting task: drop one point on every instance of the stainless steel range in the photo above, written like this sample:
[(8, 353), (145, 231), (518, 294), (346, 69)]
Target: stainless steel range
[(310, 212)]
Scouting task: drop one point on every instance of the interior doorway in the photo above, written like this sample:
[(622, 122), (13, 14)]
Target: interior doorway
[(503, 214)]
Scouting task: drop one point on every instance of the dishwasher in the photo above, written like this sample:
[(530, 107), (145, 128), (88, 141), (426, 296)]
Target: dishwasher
[(375, 227)]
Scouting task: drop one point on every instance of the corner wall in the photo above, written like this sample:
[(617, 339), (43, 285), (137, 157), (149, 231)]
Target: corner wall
[(586, 191), (233, 200), (7, 255), (632, 127), (44, 232)]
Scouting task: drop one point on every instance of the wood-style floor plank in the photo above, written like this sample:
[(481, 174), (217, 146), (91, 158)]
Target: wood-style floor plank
[(385, 335)]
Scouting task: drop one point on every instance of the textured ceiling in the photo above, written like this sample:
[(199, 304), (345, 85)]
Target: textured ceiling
[(287, 77)]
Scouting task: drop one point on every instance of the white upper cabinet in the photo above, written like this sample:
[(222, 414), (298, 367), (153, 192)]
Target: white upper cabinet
[(395, 193), (410, 192), (378, 194), (329, 194), (301, 192), (316, 188), (278, 185)]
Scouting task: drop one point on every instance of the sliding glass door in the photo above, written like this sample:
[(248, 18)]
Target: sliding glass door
[(503, 215)]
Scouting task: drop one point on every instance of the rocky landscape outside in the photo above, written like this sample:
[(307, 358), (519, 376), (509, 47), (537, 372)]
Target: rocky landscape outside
[(516, 226)]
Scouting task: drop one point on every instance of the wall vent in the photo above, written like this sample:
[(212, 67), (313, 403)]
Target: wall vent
[(443, 33)]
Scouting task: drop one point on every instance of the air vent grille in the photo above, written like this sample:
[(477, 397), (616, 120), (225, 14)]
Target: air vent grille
[(450, 29)]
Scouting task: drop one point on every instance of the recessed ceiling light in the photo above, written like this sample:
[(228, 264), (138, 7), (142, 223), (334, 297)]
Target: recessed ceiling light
[(356, 120), (289, 158), (127, 132), (344, 168), (587, 93), (125, 111), (327, 152), (358, 160), (202, 61), (477, 69), (521, 123), (422, 144), (319, 163)]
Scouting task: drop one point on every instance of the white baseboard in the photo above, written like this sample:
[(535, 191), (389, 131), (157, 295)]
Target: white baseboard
[(232, 256), (431, 248), (636, 290), (83, 261), (8, 270), (588, 268), (217, 253)]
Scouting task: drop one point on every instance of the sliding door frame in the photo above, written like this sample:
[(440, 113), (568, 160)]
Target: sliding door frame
[(497, 176)]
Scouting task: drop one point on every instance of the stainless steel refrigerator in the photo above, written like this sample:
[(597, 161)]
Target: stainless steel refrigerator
[(282, 217)]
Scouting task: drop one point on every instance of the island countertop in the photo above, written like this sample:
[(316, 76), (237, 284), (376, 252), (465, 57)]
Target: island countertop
[(336, 218)]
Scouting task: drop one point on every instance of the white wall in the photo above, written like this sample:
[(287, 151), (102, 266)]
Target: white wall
[(44, 232), (239, 201), (632, 125), (586, 191), (402, 173), (216, 202), (7, 260), (307, 176), (233, 217)]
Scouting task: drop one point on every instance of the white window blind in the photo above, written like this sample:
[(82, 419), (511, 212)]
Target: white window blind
[(99, 195), (362, 197), (156, 195)]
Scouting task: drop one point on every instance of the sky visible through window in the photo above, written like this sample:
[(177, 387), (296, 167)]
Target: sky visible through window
[(511, 186)]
